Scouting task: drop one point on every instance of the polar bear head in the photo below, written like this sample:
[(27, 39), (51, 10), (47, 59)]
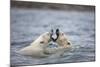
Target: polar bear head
[(37, 47), (62, 39), (43, 39)]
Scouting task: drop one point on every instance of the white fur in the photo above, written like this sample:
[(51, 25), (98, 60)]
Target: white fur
[(37, 48), (63, 45), (63, 41)]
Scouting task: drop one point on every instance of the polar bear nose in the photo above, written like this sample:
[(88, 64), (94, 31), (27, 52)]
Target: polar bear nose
[(57, 32)]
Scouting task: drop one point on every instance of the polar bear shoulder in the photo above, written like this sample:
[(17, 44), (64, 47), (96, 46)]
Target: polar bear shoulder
[(36, 48)]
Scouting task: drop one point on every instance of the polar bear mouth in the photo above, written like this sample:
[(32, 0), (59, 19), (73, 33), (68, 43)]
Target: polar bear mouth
[(54, 37)]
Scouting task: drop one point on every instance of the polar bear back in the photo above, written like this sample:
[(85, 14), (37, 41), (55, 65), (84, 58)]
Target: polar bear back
[(36, 48), (30, 50)]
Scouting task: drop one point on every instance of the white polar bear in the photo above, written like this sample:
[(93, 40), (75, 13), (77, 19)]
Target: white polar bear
[(62, 39), (37, 48), (64, 44)]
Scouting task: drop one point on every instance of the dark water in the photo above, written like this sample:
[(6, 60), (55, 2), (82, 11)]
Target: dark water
[(28, 24)]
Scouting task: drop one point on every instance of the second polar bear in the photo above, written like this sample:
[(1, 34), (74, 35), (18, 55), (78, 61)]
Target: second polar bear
[(37, 48), (62, 39)]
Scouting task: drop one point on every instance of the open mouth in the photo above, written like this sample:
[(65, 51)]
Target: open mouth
[(54, 37)]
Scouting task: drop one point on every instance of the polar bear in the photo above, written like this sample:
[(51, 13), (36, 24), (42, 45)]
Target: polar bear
[(62, 39), (37, 48)]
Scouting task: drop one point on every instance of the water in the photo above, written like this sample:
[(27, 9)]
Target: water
[(28, 24)]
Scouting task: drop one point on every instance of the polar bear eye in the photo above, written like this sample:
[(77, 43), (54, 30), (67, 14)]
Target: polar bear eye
[(42, 42), (68, 43)]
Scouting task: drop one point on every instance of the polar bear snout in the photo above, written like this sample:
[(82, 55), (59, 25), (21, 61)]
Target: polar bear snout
[(54, 37)]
